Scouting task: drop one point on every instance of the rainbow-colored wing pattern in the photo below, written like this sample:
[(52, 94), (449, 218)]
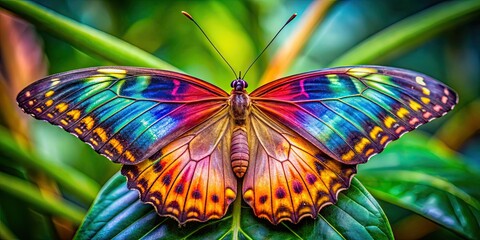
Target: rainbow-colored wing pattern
[(177, 122), (288, 177), (124, 113), (173, 132), (351, 113), (190, 178), (309, 131)]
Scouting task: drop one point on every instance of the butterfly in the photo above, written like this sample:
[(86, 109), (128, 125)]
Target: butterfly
[(190, 148)]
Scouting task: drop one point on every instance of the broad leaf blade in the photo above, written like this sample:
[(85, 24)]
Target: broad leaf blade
[(117, 213), (424, 177)]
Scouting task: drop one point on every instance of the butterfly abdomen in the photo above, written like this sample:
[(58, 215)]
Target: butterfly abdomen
[(239, 153)]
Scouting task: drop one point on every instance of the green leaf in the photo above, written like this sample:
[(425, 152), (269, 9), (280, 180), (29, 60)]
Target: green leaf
[(45, 203), (410, 32), (117, 212), (5, 233), (72, 180), (422, 176), (84, 37)]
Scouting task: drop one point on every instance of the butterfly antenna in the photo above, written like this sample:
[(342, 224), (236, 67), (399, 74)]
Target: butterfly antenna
[(204, 34), (284, 25)]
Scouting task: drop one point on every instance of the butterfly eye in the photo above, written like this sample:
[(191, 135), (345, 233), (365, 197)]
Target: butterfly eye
[(245, 84), (232, 83)]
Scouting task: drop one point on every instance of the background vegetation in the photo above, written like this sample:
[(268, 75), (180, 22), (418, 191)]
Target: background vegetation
[(427, 182)]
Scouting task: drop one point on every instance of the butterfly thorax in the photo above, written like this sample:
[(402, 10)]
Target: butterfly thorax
[(239, 101), (239, 110)]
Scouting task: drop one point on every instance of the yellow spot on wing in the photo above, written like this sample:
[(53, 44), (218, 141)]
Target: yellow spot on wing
[(361, 145), (426, 91), (141, 188), (389, 121), (79, 131), (248, 194), (348, 156), (155, 200), (88, 121), (415, 105), (30, 103), (129, 156), (93, 142), (229, 193), (383, 140), (193, 214), (118, 73), (425, 100), (28, 94), (64, 122), (49, 115), (332, 77), (75, 114), (361, 72), (111, 70), (116, 144), (61, 107), (49, 103), (375, 131), (420, 80), (38, 110), (49, 93), (402, 112), (101, 133), (108, 153), (369, 152)]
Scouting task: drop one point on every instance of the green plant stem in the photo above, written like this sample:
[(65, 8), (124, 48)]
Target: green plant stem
[(5, 233), (83, 37), (237, 213), (69, 178), (409, 32), (45, 203)]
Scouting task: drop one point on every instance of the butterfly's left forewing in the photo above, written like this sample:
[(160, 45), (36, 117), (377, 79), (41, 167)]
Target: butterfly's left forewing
[(124, 113)]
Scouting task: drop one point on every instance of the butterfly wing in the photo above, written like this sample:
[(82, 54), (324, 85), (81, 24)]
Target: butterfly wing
[(177, 122), (125, 113), (351, 113), (288, 177), (190, 178), (309, 131)]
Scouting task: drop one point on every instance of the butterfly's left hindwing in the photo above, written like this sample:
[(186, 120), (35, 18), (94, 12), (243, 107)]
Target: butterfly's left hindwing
[(352, 113), (190, 178), (124, 113)]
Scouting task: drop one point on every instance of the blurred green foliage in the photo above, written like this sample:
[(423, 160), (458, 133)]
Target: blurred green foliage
[(65, 174)]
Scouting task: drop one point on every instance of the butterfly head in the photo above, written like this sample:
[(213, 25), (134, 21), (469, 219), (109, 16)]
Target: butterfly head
[(239, 84)]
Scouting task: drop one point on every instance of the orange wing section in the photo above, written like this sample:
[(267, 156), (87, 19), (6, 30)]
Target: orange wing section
[(191, 178), (288, 177)]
